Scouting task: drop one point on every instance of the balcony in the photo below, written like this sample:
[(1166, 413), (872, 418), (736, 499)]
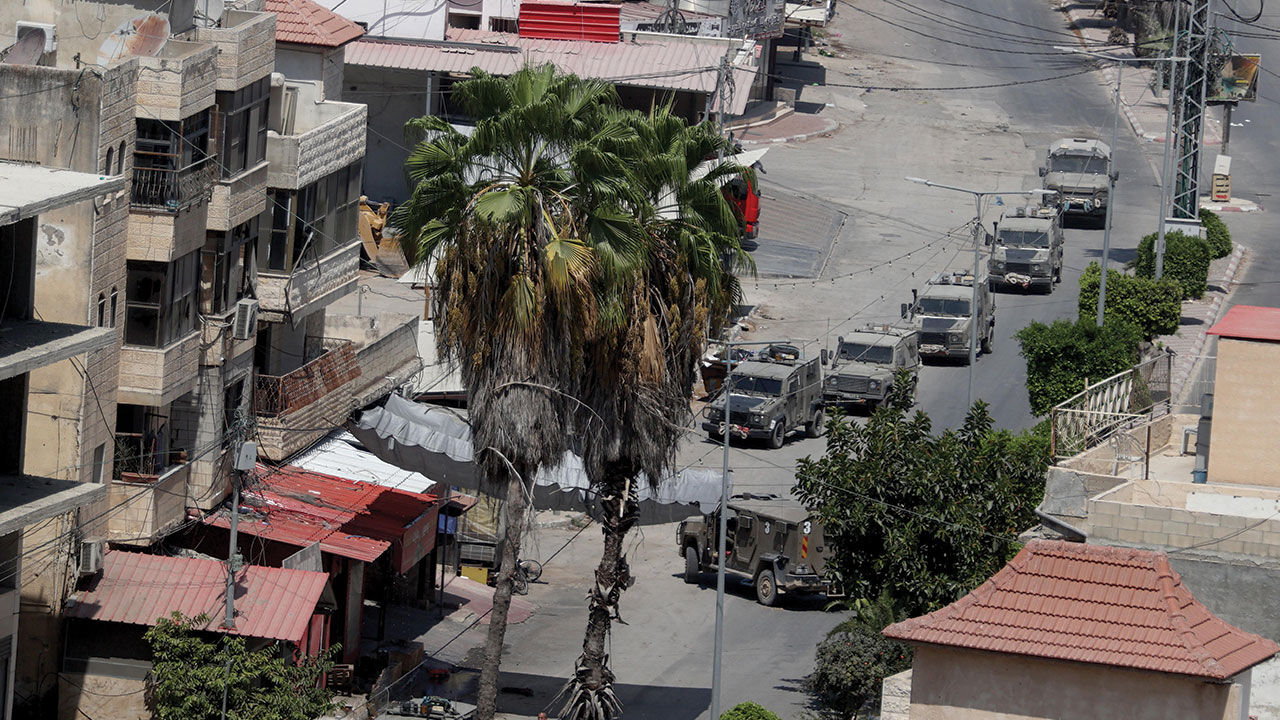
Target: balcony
[(387, 354), (26, 500), (296, 294), (147, 500), (313, 137), (28, 345), (246, 43), (295, 409), (171, 190), (158, 376), (178, 82), (238, 199)]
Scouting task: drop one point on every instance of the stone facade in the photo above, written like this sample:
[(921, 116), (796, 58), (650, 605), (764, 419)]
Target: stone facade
[(387, 351), (333, 139), (144, 511), (158, 376), (310, 286), (246, 47), (238, 199), (102, 696), (178, 82), (160, 236)]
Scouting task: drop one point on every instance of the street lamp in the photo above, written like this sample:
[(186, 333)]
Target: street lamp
[(978, 196), (1111, 176)]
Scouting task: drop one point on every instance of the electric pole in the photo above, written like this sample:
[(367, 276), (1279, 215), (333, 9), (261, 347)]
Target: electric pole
[(1188, 88), (246, 456)]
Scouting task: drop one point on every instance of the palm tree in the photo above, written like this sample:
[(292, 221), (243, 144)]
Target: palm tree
[(658, 316), (520, 219)]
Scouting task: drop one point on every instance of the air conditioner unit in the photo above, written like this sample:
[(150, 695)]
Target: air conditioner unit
[(90, 557), (50, 33), (246, 321)]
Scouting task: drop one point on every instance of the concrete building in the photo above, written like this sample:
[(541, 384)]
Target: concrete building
[(46, 210), (1072, 630)]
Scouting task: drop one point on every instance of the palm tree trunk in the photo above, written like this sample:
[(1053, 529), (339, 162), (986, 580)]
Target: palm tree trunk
[(591, 694), (513, 512)]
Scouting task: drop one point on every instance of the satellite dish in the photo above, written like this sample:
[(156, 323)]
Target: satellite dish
[(143, 36), (209, 12), (28, 49)]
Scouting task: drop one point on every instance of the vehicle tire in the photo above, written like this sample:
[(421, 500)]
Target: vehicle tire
[(532, 569), (691, 567), (814, 427), (778, 435), (766, 588)]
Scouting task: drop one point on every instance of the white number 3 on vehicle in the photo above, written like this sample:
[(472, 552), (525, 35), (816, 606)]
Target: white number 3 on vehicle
[(767, 527), (807, 527)]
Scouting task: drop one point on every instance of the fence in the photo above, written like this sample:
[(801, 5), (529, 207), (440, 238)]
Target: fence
[(1122, 401), (333, 365), (172, 189)]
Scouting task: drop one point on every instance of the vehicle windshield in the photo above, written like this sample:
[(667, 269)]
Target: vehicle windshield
[(1072, 163), (1024, 238), (747, 385), (944, 306), (860, 352)]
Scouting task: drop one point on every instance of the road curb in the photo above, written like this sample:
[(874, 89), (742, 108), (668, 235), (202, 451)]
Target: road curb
[(1179, 378), (832, 126)]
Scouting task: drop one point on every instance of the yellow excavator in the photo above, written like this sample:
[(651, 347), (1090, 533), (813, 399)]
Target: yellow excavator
[(381, 244)]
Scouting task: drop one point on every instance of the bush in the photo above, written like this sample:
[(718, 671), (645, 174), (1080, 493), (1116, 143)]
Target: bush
[(1152, 306), (851, 664), (1216, 234), (1186, 259), (1063, 357), (748, 711)]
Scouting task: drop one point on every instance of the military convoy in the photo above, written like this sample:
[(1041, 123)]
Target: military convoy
[(864, 365), (943, 312), (776, 544), (772, 394), (1080, 173), (1027, 249)]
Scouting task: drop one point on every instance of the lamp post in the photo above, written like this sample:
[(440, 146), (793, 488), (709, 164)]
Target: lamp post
[(978, 196), (1111, 175)]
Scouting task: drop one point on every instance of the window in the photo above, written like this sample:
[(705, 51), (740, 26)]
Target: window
[(114, 300), (166, 153), (102, 310), (99, 463), (120, 159), (503, 25), (224, 272), (311, 222), (232, 400), (106, 168), (160, 300), (243, 127)]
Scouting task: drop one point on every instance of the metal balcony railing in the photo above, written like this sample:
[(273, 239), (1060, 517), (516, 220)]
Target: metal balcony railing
[(137, 461), (170, 189), (331, 363)]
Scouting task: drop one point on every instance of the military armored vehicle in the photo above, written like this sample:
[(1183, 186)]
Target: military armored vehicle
[(776, 544), (1027, 249), (864, 364), (1079, 171), (942, 313), (772, 394)]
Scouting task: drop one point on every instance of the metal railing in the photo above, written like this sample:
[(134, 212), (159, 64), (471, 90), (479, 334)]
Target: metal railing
[(331, 363), (135, 457), (1120, 402), (173, 189)]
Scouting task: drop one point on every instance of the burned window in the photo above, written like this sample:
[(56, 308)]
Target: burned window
[(160, 300)]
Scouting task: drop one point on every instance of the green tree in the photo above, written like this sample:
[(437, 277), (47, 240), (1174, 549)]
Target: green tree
[(1152, 306), (1063, 357), (852, 662), (748, 711), (922, 517), (190, 670), (1186, 259), (1216, 233)]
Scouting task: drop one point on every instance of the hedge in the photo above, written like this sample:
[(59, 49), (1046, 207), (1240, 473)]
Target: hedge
[(748, 711), (1216, 234), (1063, 357), (1186, 259), (1152, 306)]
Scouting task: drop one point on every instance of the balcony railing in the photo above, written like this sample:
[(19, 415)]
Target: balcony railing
[(170, 189), (137, 462), (331, 364)]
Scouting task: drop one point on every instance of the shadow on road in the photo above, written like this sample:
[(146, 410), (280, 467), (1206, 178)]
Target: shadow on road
[(738, 587), (528, 695)]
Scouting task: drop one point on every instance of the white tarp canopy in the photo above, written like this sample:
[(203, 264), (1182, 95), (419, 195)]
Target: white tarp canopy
[(436, 442), (338, 455)]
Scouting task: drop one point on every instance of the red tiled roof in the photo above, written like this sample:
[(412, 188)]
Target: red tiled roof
[(273, 603), (1250, 323), (307, 23), (1087, 603), (349, 518)]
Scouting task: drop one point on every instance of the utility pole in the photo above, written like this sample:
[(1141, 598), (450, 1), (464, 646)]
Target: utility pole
[(1173, 106), (1189, 90), (246, 456)]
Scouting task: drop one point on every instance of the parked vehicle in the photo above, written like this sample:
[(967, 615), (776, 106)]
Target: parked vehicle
[(776, 544), (942, 313), (864, 364), (745, 198), (1079, 171), (772, 394), (1027, 249)]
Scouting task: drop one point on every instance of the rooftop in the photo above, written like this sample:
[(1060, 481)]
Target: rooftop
[(307, 23), (1086, 603), (1249, 322), (27, 345), (273, 603), (26, 500), (27, 190)]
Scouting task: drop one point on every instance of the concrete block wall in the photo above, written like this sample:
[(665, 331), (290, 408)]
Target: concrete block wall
[(102, 696), (179, 82), (246, 45), (161, 236), (282, 436), (144, 512), (387, 356), (310, 283), (238, 199), (157, 377), (1174, 528), (333, 64), (302, 158)]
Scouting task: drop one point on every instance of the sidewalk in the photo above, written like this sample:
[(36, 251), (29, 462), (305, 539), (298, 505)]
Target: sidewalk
[(1197, 317), (792, 127)]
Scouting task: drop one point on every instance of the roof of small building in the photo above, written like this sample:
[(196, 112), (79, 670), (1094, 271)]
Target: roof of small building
[(1114, 606), (307, 23), (273, 603), (1249, 322)]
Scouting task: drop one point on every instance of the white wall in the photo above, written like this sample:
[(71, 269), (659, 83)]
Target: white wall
[(416, 19)]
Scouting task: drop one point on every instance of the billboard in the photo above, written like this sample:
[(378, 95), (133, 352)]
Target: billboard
[(1237, 80), (756, 19)]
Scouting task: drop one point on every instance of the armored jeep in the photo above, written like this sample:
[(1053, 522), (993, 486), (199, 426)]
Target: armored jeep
[(942, 313), (774, 543), (772, 394), (1027, 250), (1079, 172), (863, 365)]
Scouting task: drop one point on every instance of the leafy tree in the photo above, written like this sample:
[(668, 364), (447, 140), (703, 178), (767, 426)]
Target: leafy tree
[(1062, 357), (1216, 234), (1152, 306), (749, 711), (854, 659), (191, 669), (922, 517), (1186, 259)]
